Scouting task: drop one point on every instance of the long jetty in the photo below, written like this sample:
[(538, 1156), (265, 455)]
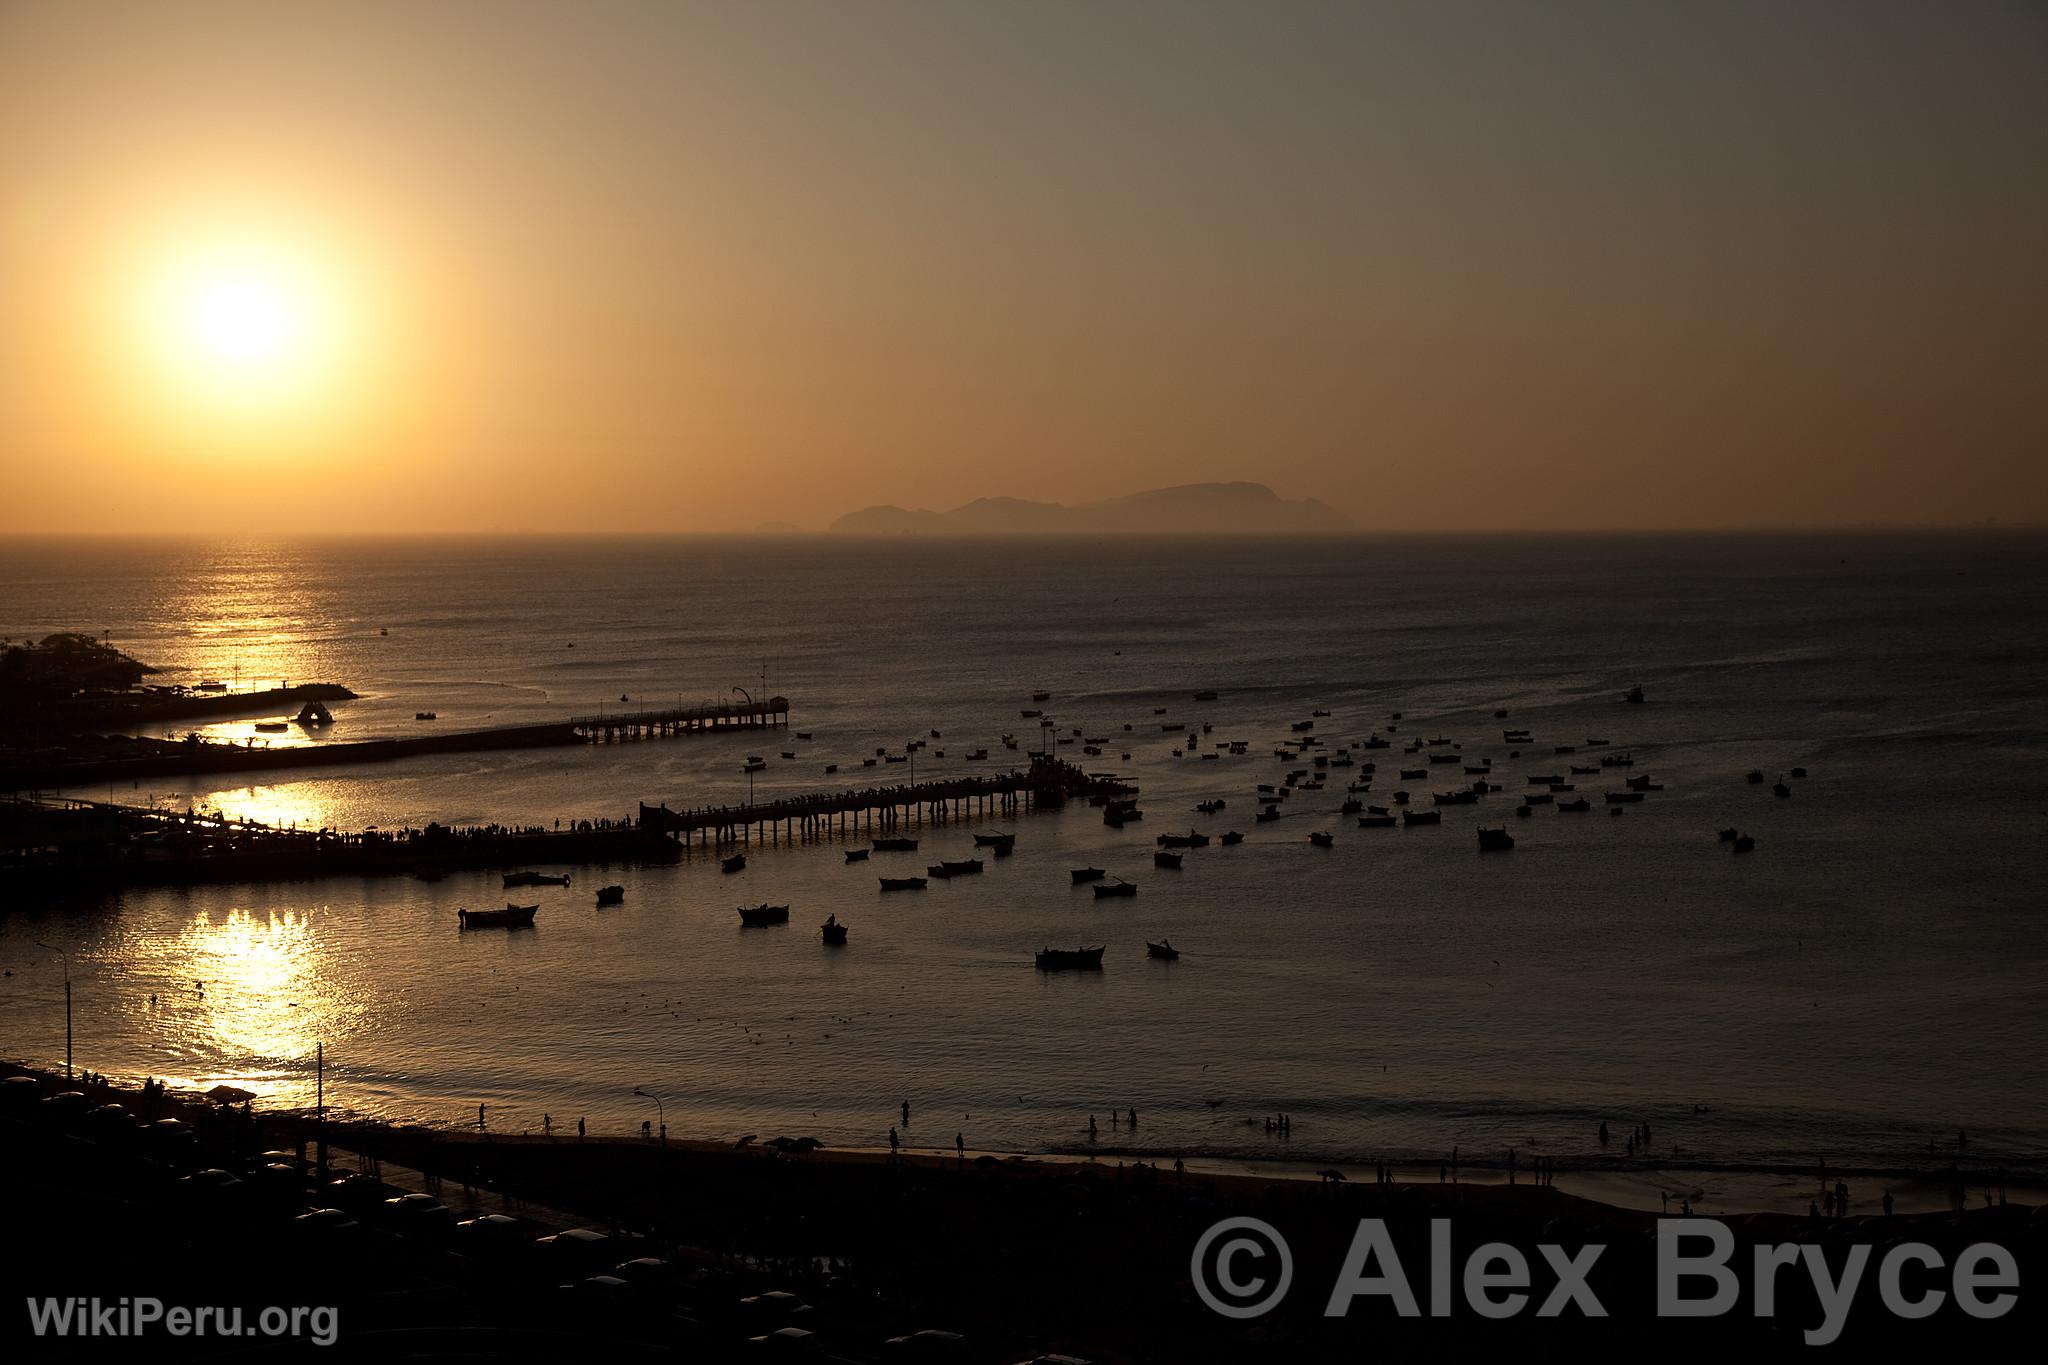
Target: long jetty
[(94, 842), (166, 759), (1048, 782)]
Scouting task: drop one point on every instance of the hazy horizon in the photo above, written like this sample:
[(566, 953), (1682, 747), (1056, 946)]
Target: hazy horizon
[(1474, 267)]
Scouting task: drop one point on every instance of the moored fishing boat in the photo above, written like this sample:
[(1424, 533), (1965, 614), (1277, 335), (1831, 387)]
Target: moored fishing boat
[(833, 932), (535, 879), (1069, 959), (1170, 861), (1495, 840), (611, 895), (511, 917), (894, 845), (1163, 950), (1110, 890), (1087, 874), (856, 855), (903, 883), (732, 864), (1234, 837), (759, 916)]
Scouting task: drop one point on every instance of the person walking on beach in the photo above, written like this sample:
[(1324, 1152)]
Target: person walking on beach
[(547, 1125), (960, 1147), (1091, 1127), (895, 1144), (480, 1118)]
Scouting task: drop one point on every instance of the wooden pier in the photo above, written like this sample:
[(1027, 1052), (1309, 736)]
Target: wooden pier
[(1049, 781), (682, 720)]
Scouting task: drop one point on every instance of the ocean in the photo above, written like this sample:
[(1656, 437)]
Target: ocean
[(1869, 981)]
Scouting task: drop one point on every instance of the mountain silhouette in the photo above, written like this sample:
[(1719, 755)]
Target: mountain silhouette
[(1189, 509)]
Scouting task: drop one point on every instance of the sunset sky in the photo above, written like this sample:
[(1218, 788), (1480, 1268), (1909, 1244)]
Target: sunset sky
[(657, 266)]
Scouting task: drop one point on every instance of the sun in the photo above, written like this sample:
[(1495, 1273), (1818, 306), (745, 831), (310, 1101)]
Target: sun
[(252, 326)]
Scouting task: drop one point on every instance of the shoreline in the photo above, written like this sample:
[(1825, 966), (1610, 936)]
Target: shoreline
[(1730, 1188)]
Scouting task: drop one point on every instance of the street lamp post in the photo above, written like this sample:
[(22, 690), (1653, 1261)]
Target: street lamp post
[(67, 1003), (660, 1111)]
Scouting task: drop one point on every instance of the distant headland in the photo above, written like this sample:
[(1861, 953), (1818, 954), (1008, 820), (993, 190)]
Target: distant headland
[(1190, 509)]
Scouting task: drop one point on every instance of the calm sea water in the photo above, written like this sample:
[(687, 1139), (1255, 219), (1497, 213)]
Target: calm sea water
[(1870, 979)]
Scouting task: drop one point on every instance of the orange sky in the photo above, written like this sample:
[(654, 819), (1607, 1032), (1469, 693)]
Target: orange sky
[(668, 266)]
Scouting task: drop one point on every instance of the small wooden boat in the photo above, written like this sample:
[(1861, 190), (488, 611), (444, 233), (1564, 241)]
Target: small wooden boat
[(511, 917), (903, 883), (803, 734), (1754, 778), (759, 916), (1620, 760), (1742, 843), (1454, 798), (1582, 804), (833, 932), (1162, 950), (273, 727), (1205, 695), (1087, 874), (1634, 695), (1170, 861), (1191, 839), (1422, 817), (1267, 816), (1209, 807), (1593, 742), (1799, 773), (1112, 890), (1322, 839), (1479, 771), (1780, 790), (1041, 696), (831, 768), (856, 855), (1539, 798), (1585, 770), (789, 753), (1545, 780), (1069, 959), (611, 895), (1495, 840), (1375, 822), (994, 840), (894, 845), (1623, 798), (1352, 805), (1031, 715), (962, 867), (534, 879), (732, 864), (1414, 774)]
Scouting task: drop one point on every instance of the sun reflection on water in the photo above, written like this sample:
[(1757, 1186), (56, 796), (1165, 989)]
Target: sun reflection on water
[(257, 996)]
